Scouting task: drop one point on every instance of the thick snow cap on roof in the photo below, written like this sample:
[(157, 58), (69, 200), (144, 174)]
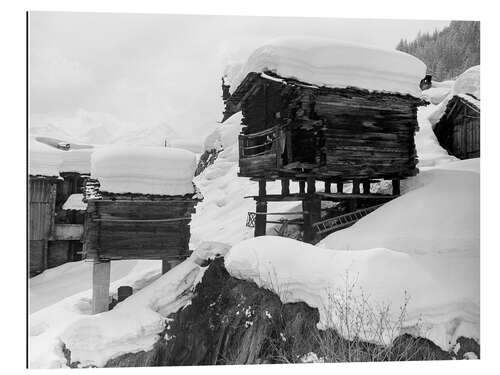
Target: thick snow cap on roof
[(468, 82), (144, 170), (327, 62), (44, 160)]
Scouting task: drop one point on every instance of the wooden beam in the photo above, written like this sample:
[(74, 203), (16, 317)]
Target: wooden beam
[(340, 187), (302, 187), (355, 186), (68, 232), (396, 187), (328, 187), (260, 220), (343, 196), (285, 187), (311, 186), (101, 271), (366, 187)]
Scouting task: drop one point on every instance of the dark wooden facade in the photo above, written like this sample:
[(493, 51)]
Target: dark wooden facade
[(458, 130), (54, 234), (138, 227), (331, 133), (41, 213)]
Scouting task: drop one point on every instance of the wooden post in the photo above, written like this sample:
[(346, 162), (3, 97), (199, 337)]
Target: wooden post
[(312, 214), (285, 186), (311, 186), (261, 207), (302, 187), (165, 266), (328, 187), (101, 271), (396, 187), (355, 186), (260, 220), (340, 187), (366, 187)]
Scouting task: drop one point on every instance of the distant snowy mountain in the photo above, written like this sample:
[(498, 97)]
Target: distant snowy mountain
[(50, 130)]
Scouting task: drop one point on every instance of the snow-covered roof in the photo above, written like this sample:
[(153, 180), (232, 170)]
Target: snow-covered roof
[(468, 83), (43, 160), (75, 202), (331, 63), (144, 170)]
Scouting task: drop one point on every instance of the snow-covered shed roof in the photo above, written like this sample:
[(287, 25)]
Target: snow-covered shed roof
[(331, 63), (144, 170)]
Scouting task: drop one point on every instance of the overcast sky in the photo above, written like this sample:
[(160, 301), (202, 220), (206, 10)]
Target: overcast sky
[(141, 70)]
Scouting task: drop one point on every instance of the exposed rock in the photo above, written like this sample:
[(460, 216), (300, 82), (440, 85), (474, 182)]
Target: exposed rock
[(231, 321)]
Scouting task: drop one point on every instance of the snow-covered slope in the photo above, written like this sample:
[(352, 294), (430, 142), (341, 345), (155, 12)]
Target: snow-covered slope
[(331, 63)]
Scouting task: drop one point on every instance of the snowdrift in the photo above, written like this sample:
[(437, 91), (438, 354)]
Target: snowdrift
[(144, 170), (44, 160), (327, 62), (187, 144), (467, 84), (363, 281)]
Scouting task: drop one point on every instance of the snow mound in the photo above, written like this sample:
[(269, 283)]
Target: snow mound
[(331, 63), (144, 170), (77, 160), (75, 202), (376, 277), (467, 84), (44, 160), (439, 214), (435, 95), (225, 135)]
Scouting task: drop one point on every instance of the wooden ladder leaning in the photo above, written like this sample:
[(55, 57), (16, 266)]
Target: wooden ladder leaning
[(342, 221)]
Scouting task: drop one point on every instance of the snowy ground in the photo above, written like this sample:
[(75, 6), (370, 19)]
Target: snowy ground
[(437, 261)]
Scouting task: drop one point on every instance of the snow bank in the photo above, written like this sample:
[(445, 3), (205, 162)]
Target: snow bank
[(133, 325), (331, 63), (52, 296), (225, 135), (439, 214), (375, 278), (144, 170), (435, 95), (75, 202), (466, 84), (76, 160), (187, 144), (43, 160)]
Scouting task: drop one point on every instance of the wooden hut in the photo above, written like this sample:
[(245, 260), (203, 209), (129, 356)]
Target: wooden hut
[(293, 130), (41, 213), (458, 130)]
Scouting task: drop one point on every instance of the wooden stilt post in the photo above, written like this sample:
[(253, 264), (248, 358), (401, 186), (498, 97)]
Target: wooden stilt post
[(366, 187), (302, 187), (355, 186), (355, 190), (311, 186), (261, 207), (396, 187), (328, 187), (101, 271), (165, 266), (340, 187), (285, 187)]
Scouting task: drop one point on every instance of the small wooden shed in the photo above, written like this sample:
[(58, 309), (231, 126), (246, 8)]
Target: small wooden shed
[(297, 131), (458, 130), (41, 213)]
